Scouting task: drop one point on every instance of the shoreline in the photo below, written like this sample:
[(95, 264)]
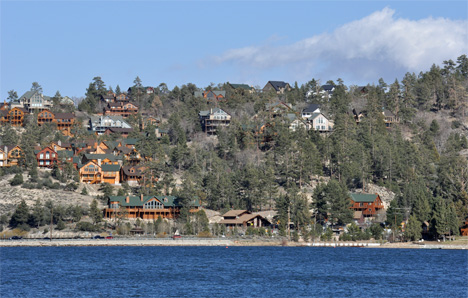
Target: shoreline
[(218, 242)]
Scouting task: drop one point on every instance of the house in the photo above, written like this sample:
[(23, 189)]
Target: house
[(14, 155), (279, 108), (242, 88), (320, 122), (243, 219), (369, 204), (59, 145), (15, 116), (90, 172), (464, 229), (123, 109), (212, 119), (278, 86), (136, 91), (110, 173), (35, 101), (149, 120), (295, 122), (133, 175), (4, 106), (122, 97), (99, 124), (46, 158), (389, 118), (108, 97), (64, 121), (147, 207), (211, 95), (66, 101), (44, 117), (3, 157)]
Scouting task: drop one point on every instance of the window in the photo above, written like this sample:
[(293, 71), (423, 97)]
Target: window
[(323, 127), (317, 127), (41, 156), (41, 162)]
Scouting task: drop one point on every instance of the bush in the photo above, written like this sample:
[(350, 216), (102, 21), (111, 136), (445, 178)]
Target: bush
[(71, 186), (84, 191), (17, 180), (60, 225)]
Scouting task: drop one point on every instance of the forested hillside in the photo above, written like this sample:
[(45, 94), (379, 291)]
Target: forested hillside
[(259, 163)]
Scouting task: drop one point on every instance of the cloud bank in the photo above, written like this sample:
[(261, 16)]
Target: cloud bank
[(377, 45)]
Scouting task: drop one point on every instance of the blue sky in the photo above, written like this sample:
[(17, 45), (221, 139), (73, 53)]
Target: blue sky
[(64, 44)]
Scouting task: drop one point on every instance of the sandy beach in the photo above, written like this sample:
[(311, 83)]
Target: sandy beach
[(221, 242)]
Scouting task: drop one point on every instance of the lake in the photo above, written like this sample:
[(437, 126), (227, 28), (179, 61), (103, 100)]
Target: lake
[(232, 272)]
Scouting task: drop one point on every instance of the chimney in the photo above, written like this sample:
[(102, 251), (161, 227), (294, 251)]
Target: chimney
[(59, 143), (141, 197), (99, 162), (127, 199), (6, 150)]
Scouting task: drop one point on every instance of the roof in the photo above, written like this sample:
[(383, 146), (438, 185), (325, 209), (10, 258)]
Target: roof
[(130, 141), (242, 219), (327, 87), (111, 157), (28, 94), (364, 198), (135, 201), (65, 153), (64, 116), (311, 108), (211, 112), (240, 86), (110, 168), (278, 84), (232, 213), (138, 170)]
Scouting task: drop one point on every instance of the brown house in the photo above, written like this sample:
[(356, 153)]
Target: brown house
[(14, 154), (46, 158), (146, 207), (244, 219), (15, 116), (278, 86), (3, 157), (123, 109), (369, 204)]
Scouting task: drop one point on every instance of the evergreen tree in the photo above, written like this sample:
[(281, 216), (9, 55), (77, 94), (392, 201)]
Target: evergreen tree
[(20, 216), (413, 229)]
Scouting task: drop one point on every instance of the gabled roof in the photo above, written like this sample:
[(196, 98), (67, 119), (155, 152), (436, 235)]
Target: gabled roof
[(212, 112), (363, 198), (28, 94), (65, 153), (327, 87), (232, 213), (311, 108), (138, 170), (278, 84)]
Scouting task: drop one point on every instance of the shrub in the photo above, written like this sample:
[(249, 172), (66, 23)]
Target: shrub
[(24, 227), (84, 191), (17, 180), (60, 225)]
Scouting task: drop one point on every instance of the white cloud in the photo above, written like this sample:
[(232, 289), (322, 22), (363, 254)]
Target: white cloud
[(377, 45)]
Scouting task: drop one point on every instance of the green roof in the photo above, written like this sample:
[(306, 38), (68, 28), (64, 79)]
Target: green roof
[(135, 201), (364, 198), (111, 157), (242, 86), (110, 168), (130, 141)]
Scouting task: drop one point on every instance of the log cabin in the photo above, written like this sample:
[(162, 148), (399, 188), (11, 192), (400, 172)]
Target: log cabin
[(369, 204), (147, 207)]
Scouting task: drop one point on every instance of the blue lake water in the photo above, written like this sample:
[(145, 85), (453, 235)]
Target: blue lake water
[(231, 272)]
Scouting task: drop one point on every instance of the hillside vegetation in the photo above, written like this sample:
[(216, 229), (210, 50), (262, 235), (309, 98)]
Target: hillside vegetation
[(422, 160)]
